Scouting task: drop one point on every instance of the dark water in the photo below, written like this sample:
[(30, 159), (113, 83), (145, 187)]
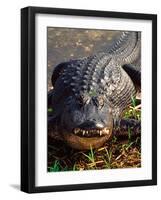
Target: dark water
[(65, 44)]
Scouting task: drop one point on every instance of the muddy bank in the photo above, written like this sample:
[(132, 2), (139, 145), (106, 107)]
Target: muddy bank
[(65, 44)]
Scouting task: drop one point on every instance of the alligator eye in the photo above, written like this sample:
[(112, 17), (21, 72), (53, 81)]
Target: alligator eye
[(99, 101)]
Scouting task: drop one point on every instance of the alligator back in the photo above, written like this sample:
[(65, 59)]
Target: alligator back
[(100, 74)]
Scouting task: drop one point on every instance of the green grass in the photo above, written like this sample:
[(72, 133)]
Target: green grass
[(133, 101), (108, 158), (55, 167), (129, 134), (50, 110), (90, 155), (133, 112)]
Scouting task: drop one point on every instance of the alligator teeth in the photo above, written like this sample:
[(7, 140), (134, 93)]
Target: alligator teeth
[(76, 130), (94, 132), (107, 131)]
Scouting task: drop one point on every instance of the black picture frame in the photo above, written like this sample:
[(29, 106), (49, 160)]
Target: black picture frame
[(28, 98)]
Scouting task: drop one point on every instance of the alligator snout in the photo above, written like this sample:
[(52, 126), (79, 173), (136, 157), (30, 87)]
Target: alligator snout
[(91, 125)]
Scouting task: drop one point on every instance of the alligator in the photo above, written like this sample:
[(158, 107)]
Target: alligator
[(90, 94)]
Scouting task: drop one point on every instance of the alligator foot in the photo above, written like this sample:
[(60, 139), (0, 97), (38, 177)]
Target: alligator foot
[(126, 127), (53, 133)]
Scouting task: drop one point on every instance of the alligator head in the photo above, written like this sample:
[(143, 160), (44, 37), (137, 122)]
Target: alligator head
[(86, 121)]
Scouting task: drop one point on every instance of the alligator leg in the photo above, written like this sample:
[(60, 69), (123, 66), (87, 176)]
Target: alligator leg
[(134, 74), (53, 133), (125, 127), (57, 71)]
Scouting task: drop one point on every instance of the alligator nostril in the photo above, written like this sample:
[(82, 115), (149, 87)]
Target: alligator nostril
[(91, 125), (99, 125)]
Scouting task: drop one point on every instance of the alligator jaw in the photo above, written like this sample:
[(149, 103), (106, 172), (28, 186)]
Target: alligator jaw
[(98, 132), (85, 142)]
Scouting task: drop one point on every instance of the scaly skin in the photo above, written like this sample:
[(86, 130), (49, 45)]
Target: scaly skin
[(90, 93)]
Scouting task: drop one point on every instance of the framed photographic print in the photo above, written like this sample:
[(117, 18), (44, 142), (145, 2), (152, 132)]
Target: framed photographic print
[(88, 99)]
